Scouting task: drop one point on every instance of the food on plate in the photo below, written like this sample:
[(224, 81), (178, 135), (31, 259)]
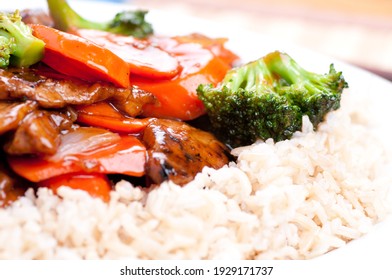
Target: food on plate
[(18, 46), (64, 122), (168, 67), (267, 98), (98, 166)]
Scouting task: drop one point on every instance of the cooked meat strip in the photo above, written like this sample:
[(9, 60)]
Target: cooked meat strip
[(36, 134), (22, 83), (178, 151), (64, 118), (132, 104), (34, 16), (11, 113)]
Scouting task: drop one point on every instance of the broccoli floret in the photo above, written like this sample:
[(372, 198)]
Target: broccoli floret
[(126, 23), (267, 98), (18, 47)]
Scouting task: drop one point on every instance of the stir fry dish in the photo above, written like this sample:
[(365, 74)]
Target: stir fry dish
[(87, 104)]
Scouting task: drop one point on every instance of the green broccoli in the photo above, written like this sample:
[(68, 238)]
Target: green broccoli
[(267, 98), (18, 47), (7, 47), (126, 23)]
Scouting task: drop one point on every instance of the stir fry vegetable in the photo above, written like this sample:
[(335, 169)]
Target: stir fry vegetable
[(18, 46), (89, 150), (80, 58), (103, 114), (131, 22), (202, 60), (144, 59), (267, 98)]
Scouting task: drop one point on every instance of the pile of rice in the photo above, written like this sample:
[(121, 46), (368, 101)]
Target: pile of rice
[(295, 199)]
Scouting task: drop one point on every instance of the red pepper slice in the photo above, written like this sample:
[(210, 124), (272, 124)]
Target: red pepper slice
[(125, 156)]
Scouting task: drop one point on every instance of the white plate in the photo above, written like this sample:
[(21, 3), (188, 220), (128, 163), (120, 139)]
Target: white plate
[(249, 45)]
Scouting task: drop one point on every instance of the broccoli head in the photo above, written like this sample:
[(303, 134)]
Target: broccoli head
[(131, 23), (267, 98), (18, 47)]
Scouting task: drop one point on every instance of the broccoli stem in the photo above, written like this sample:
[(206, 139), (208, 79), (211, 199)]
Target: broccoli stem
[(292, 73), (66, 18), (249, 78), (125, 23), (285, 67)]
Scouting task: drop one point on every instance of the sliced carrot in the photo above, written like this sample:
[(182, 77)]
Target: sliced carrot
[(97, 185), (103, 109), (177, 97), (78, 57), (215, 45), (171, 68), (102, 114)]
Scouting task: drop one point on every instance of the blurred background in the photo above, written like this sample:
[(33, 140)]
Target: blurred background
[(356, 31)]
